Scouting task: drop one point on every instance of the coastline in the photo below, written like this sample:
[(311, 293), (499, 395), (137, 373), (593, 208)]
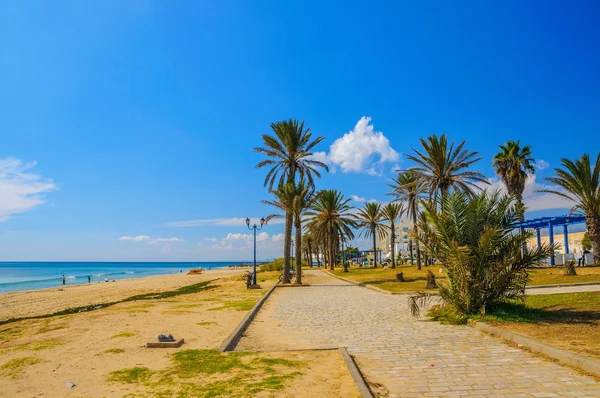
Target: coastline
[(46, 301)]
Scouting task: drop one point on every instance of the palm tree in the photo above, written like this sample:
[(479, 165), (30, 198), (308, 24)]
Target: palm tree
[(513, 164), (482, 256), (369, 218), (408, 188), (391, 212), (580, 182), (330, 220), (285, 197), (289, 154), (442, 167), (302, 201)]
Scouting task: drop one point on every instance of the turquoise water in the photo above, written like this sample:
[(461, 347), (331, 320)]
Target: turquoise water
[(16, 276)]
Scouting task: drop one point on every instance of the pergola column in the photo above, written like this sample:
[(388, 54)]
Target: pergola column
[(539, 237), (551, 231), (566, 233)]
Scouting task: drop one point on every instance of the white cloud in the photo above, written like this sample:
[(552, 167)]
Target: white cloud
[(211, 239), (149, 240), (20, 190), (361, 150), (541, 164), (534, 200), (358, 199), (263, 240), (220, 222)]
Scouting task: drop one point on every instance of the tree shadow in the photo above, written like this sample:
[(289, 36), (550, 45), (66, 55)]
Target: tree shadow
[(519, 312)]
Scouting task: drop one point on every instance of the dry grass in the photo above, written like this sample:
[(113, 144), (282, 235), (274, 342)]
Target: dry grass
[(416, 280), (570, 321)]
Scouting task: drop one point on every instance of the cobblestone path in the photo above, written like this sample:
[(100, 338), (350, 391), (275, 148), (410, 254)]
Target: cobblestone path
[(403, 356)]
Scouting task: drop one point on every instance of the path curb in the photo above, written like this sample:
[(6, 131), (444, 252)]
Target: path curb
[(567, 357), (234, 338), (359, 380)]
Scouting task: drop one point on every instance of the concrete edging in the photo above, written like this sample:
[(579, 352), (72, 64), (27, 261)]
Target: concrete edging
[(567, 357), (234, 338), (359, 380), (562, 285)]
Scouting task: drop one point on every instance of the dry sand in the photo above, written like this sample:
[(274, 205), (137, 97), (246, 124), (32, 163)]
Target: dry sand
[(72, 347), (48, 301)]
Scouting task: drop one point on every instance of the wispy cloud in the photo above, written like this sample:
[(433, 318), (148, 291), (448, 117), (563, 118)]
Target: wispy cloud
[(360, 199), (220, 222), (534, 200), (149, 240), (20, 190), (541, 164), (361, 150)]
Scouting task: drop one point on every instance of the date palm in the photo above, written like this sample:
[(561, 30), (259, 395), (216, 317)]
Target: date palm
[(391, 212), (289, 155), (408, 189), (285, 197), (580, 182), (513, 164), (303, 198), (443, 167), (370, 221), (330, 220)]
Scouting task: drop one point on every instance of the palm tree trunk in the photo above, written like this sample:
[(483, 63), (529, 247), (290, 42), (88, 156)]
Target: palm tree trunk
[(332, 244), (415, 232), (318, 259), (287, 246), (410, 251), (393, 242), (520, 207), (374, 248), (309, 249), (298, 250), (592, 223)]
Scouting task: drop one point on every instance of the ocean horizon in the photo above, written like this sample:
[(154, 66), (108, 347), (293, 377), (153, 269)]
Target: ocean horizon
[(33, 275)]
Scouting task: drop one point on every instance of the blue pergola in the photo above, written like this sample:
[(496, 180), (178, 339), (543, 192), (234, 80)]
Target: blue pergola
[(551, 222), (377, 253)]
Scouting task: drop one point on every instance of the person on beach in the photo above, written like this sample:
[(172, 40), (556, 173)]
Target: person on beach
[(105, 279), (64, 280), (89, 279)]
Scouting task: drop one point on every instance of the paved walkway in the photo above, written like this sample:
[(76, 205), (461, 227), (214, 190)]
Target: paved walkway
[(403, 356), (563, 289)]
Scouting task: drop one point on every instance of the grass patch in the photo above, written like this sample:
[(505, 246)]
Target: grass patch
[(190, 289), (16, 366), (176, 312), (124, 334), (271, 383), (189, 363), (238, 305), (415, 280), (111, 351), (206, 323), (131, 375), (552, 276), (9, 333), (447, 315), (40, 345)]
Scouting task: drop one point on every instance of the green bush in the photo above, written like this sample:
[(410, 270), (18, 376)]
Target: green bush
[(275, 265)]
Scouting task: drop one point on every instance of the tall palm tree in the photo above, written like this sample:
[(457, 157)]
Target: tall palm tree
[(580, 182), (329, 220), (391, 212), (369, 218), (285, 197), (513, 164), (302, 201), (408, 188), (443, 167), (289, 155)]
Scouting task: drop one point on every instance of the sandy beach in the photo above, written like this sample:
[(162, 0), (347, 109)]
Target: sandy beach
[(38, 357), (47, 301)]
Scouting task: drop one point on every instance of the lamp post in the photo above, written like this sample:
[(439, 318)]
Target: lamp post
[(254, 228)]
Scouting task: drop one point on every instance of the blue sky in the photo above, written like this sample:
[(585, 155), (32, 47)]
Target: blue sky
[(122, 121)]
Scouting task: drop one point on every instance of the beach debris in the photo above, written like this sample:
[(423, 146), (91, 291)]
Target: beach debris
[(69, 384), (165, 337)]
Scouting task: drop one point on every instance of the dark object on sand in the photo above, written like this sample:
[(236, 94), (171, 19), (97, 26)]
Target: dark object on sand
[(248, 280), (400, 277)]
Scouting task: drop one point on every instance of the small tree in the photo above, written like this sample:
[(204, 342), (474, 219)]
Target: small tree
[(586, 243), (474, 239)]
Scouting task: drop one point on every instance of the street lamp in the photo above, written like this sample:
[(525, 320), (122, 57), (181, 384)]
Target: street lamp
[(254, 228)]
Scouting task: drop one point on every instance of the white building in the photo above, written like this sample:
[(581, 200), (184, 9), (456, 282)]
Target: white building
[(402, 226)]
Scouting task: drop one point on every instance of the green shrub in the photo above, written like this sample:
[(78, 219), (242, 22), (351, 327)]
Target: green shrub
[(275, 265)]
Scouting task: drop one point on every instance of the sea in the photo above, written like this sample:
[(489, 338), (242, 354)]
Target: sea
[(17, 276)]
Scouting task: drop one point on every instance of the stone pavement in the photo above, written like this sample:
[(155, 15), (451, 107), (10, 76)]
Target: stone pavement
[(402, 356), (563, 289)]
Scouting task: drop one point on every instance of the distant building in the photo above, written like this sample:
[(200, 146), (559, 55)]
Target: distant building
[(403, 226)]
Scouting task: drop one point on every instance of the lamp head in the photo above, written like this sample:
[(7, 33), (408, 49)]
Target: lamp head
[(247, 221), (262, 221)]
